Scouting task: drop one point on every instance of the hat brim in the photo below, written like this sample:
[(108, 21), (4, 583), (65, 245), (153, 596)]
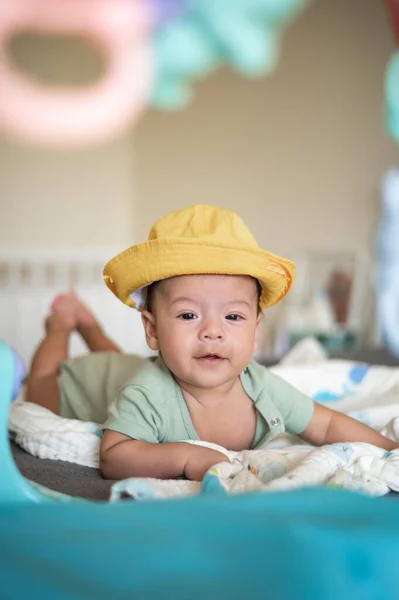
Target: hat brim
[(154, 260)]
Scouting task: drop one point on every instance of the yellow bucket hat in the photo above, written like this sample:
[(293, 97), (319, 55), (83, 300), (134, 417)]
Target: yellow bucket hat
[(198, 240)]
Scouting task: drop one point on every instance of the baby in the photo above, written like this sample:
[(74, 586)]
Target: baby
[(201, 283)]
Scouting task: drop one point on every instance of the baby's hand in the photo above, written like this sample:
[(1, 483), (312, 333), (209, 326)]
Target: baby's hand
[(200, 460)]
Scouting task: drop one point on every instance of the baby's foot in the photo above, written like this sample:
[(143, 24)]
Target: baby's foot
[(58, 322), (71, 305)]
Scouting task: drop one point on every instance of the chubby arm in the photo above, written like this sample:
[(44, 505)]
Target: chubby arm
[(122, 457), (329, 426)]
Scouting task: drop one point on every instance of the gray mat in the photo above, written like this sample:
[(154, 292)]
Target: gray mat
[(61, 476)]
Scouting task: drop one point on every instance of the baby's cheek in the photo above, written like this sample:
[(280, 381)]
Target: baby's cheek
[(245, 348), (174, 349)]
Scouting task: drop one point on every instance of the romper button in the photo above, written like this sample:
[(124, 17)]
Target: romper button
[(275, 421)]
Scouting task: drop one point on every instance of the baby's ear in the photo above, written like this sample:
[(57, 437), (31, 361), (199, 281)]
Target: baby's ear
[(150, 329)]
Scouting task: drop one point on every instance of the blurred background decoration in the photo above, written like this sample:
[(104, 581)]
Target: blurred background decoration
[(283, 121), (153, 50), (241, 33), (392, 95), (330, 301), (392, 75), (388, 262), (72, 115)]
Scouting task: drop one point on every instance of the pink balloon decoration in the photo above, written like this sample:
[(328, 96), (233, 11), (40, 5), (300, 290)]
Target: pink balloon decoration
[(70, 117)]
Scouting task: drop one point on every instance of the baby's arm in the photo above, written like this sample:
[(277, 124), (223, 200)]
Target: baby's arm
[(329, 426), (122, 457)]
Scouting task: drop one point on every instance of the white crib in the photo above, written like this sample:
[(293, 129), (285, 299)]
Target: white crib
[(29, 280)]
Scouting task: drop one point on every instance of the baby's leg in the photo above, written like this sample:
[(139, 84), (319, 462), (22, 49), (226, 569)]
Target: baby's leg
[(86, 323), (96, 339), (42, 383), (69, 313)]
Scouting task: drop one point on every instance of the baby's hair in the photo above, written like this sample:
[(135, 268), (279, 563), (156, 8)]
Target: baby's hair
[(150, 295), (259, 294)]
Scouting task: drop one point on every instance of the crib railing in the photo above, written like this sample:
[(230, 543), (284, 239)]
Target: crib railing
[(29, 280), (31, 277)]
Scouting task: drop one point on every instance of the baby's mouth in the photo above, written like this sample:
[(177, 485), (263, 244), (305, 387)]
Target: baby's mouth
[(211, 357)]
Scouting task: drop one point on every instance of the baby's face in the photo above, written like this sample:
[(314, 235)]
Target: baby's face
[(204, 326)]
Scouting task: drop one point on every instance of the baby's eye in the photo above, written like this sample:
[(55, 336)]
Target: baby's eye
[(187, 316), (234, 317)]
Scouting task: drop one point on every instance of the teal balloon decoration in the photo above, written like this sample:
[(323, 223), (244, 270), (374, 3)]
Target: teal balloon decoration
[(182, 53), (276, 12), (209, 33), (392, 96)]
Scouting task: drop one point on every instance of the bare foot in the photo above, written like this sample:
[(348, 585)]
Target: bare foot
[(71, 306), (57, 322)]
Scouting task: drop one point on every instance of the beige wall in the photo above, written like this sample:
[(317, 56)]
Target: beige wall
[(65, 199), (48, 197), (299, 155)]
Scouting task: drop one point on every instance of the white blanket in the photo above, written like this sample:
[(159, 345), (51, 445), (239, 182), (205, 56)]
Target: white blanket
[(368, 393), (46, 435)]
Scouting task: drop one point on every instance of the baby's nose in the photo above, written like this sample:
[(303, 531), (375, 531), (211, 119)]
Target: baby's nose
[(212, 330)]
